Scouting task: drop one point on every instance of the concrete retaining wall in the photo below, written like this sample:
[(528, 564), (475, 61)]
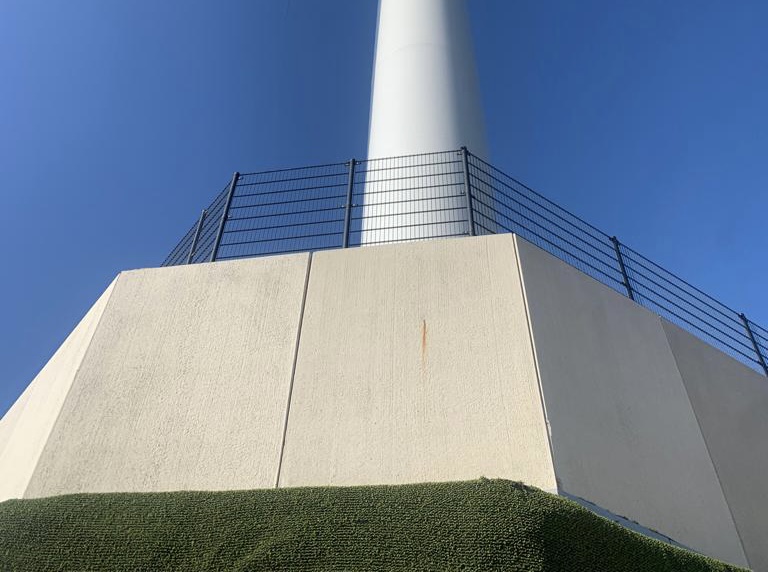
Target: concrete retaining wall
[(624, 434), (394, 364), (28, 425), (415, 365), (731, 405), (12, 416), (185, 385)]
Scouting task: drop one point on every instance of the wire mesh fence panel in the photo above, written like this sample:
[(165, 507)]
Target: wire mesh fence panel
[(761, 334), (503, 204), (189, 250), (685, 305), (290, 210), (210, 227), (414, 197), (180, 252), (419, 197)]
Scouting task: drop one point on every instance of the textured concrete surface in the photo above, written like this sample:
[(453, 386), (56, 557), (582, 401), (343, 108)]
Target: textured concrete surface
[(26, 428), (731, 404), (185, 384), (624, 434), (415, 364)]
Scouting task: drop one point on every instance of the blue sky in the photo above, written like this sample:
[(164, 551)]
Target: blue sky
[(119, 121)]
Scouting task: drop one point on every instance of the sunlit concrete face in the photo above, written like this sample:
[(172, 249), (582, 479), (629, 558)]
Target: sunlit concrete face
[(185, 384), (415, 365), (425, 99), (25, 430), (424, 361)]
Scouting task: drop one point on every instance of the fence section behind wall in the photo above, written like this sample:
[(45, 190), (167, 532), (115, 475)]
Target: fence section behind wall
[(414, 197), (445, 194), (205, 238), (681, 303), (288, 210), (504, 204)]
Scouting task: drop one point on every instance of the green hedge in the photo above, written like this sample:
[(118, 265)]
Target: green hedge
[(478, 525)]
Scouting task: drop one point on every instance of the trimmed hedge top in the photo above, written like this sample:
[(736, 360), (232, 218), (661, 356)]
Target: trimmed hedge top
[(478, 525)]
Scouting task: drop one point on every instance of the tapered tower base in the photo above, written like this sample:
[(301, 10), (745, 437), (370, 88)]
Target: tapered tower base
[(428, 361)]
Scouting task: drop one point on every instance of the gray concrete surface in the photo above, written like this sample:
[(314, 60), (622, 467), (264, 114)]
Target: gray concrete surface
[(624, 434), (26, 428), (731, 405), (185, 384), (415, 364)]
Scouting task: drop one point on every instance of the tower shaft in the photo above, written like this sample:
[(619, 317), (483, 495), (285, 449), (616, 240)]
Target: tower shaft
[(425, 99), (425, 90)]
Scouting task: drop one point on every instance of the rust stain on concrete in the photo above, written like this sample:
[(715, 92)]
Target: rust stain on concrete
[(423, 343)]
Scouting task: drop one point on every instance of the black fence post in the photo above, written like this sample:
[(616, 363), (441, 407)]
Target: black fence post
[(348, 205), (760, 358), (197, 237), (620, 259), (468, 191), (224, 214)]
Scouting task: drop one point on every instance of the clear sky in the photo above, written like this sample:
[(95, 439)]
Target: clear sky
[(120, 120)]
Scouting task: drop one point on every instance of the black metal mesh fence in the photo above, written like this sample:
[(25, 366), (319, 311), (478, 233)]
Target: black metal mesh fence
[(681, 303), (197, 245), (414, 197), (289, 210), (760, 335), (180, 253), (503, 204), (437, 195)]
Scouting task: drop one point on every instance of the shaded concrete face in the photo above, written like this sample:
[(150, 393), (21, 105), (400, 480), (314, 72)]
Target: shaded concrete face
[(25, 429), (185, 385), (414, 365), (624, 435), (731, 404)]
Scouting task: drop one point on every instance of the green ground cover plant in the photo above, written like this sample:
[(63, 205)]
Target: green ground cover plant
[(477, 525)]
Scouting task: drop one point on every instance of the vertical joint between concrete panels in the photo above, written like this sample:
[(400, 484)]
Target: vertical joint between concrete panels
[(293, 373), (529, 324), (706, 443), (113, 287)]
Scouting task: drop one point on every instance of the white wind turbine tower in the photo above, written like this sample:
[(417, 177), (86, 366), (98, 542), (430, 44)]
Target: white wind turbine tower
[(425, 99)]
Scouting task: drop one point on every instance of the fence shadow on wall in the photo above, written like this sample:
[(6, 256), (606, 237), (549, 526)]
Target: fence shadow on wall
[(439, 195)]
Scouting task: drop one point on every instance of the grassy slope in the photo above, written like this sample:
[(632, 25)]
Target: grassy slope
[(478, 525)]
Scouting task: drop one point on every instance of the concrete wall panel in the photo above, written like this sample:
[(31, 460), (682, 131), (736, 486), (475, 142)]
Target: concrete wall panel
[(186, 382), (415, 364), (12, 416), (27, 426), (731, 404), (624, 434)]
